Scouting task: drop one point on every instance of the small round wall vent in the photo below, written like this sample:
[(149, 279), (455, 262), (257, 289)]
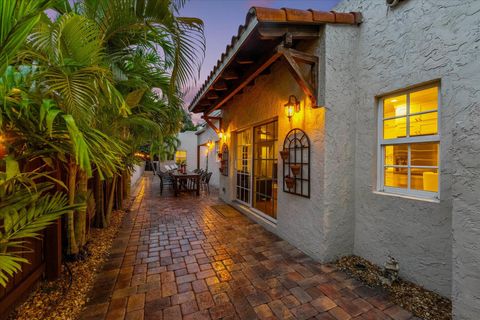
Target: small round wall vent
[(392, 3)]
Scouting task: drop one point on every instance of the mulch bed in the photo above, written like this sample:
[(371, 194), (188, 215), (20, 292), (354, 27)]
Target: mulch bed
[(54, 299), (419, 301)]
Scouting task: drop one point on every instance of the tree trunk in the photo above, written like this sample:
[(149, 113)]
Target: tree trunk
[(72, 248), (100, 221), (126, 186), (111, 184), (81, 215), (119, 193)]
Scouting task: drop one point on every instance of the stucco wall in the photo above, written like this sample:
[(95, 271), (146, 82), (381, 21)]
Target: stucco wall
[(466, 178), (138, 170), (213, 162), (299, 220), (188, 143), (416, 42)]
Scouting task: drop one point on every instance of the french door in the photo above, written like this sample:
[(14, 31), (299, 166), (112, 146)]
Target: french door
[(265, 150), (243, 166)]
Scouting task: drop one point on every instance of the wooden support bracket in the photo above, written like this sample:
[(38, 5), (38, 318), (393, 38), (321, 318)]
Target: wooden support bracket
[(293, 57), (210, 123)]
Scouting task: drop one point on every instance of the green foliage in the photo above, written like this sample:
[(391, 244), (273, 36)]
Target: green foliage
[(25, 210), (17, 18), (79, 94), (188, 123)]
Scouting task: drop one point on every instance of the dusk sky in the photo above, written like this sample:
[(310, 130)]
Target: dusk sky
[(222, 18)]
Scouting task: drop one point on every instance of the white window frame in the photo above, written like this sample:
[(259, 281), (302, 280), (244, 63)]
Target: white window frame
[(407, 140), (250, 166)]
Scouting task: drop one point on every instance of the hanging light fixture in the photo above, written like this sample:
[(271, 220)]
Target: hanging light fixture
[(291, 107)]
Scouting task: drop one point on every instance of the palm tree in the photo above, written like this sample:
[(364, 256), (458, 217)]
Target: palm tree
[(17, 18), (104, 75)]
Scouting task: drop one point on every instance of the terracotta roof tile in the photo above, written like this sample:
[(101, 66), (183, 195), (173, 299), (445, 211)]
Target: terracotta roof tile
[(283, 15), (303, 16)]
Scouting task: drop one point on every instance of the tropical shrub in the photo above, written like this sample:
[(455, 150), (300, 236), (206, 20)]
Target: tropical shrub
[(82, 89)]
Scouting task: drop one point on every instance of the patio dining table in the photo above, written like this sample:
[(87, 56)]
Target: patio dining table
[(189, 181)]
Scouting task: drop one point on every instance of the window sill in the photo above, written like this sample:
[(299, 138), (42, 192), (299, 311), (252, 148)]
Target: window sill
[(404, 196)]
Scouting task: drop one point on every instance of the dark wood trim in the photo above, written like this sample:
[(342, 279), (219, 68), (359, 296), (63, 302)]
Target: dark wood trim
[(53, 250), (220, 85), (198, 156), (294, 68), (253, 72), (275, 31), (230, 75), (208, 120), (20, 291)]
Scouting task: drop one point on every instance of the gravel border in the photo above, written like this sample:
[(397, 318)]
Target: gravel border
[(53, 299), (419, 301)]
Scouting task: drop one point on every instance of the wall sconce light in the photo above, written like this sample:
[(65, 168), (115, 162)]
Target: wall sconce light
[(222, 136), (209, 144), (291, 107)]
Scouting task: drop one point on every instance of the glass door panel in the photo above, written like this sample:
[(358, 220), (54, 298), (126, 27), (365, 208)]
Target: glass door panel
[(243, 166), (265, 168)]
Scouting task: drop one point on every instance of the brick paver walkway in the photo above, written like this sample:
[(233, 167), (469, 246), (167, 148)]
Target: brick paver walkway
[(178, 257)]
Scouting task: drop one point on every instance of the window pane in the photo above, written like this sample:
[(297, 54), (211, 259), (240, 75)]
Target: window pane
[(395, 128), (396, 177), (423, 124), (396, 155), (424, 100), (395, 106), (265, 168), (424, 179), (424, 154)]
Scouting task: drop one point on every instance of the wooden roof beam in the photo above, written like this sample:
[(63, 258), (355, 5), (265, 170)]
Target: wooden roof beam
[(220, 85), (250, 75), (292, 57), (243, 61), (230, 75), (212, 96), (210, 123)]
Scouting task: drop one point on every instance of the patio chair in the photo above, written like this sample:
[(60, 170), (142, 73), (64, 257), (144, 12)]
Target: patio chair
[(153, 165), (206, 181), (165, 179)]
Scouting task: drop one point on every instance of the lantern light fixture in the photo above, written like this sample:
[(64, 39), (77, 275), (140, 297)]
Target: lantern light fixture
[(292, 106), (210, 144)]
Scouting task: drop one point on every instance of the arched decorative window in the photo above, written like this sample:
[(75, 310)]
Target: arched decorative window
[(296, 163), (224, 160)]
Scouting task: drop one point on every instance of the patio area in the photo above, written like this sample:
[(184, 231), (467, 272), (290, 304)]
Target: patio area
[(197, 258)]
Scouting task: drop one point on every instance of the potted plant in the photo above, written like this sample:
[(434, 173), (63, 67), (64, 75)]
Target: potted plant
[(290, 182), (295, 169), (183, 167), (284, 154)]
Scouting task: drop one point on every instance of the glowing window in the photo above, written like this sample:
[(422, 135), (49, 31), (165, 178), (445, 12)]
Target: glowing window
[(409, 143), (181, 156)]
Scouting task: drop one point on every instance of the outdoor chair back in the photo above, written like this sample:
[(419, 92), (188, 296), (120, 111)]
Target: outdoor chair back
[(165, 179), (206, 180)]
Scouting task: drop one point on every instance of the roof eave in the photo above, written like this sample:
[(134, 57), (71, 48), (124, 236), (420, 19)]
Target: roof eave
[(219, 69)]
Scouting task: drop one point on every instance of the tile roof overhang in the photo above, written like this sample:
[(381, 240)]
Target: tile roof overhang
[(252, 47)]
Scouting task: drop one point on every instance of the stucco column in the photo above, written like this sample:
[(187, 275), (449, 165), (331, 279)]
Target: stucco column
[(466, 214)]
